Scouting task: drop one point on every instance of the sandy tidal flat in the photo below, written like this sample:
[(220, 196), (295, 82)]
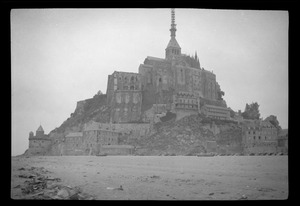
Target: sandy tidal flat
[(164, 177)]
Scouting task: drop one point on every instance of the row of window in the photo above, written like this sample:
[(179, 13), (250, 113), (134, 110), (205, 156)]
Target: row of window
[(186, 106), (132, 79), (259, 138), (129, 88), (218, 112), (175, 51), (270, 127), (189, 101), (217, 117), (184, 95), (264, 132)]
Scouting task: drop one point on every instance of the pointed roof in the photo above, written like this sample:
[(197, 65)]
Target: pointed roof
[(173, 43), (40, 129)]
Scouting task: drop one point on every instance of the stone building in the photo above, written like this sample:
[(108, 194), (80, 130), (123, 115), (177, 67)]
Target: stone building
[(73, 144), (216, 112), (174, 81), (283, 141), (260, 137), (186, 101), (125, 96), (40, 143), (95, 137)]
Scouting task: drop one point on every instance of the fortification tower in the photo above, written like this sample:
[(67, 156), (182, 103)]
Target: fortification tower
[(173, 49), (40, 131)]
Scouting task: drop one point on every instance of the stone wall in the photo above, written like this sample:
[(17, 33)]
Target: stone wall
[(183, 113), (259, 137), (261, 147), (116, 149), (39, 146), (211, 146), (126, 106), (90, 142), (134, 129), (73, 146)]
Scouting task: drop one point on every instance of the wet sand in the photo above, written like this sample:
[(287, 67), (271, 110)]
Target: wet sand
[(164, 177)]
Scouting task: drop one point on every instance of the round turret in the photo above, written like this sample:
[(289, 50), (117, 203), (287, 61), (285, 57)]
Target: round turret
[(31, 134)]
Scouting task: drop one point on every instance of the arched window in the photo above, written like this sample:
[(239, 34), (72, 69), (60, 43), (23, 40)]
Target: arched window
[(131, 87), (159, 80), (132, 79)]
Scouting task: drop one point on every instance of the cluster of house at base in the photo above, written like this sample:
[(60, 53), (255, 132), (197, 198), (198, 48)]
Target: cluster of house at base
[(258, 137), (261, 137), (96, 138)]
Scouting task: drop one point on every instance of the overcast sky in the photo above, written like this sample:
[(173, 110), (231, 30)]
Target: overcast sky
[(61, 56)]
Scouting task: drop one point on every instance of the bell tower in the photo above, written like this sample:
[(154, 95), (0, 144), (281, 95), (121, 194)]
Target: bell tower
[(173, 48)]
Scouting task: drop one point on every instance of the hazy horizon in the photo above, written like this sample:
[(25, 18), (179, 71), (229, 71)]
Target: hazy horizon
[(61, 56)]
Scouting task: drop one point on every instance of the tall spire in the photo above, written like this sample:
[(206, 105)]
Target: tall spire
[(173, 25), (173, 48)]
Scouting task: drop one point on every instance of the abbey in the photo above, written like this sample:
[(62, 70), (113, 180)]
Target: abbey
[(176, 81), (175, 87)]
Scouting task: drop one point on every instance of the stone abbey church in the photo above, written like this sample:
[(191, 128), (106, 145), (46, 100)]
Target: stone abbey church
[(175, 82)]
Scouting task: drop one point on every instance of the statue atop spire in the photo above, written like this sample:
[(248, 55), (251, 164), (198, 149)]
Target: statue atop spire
[(173, 25)]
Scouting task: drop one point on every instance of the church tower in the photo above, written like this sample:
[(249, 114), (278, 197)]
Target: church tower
[(173, 48)]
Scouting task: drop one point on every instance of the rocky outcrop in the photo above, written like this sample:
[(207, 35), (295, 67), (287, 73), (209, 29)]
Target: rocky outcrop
[(190, 135), (86, 110)]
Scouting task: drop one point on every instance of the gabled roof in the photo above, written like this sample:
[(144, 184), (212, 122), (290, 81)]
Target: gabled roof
[(40, 129), (173, 43), (266, 124), (155, 59)]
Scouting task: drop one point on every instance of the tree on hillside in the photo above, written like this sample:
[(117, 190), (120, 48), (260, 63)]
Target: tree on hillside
[(220, 95), (251, 111), (273, 120), (232, 113)]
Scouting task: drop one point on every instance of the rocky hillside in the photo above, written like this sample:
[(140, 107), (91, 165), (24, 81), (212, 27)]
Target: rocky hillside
[(91, 109), (188, 136)]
